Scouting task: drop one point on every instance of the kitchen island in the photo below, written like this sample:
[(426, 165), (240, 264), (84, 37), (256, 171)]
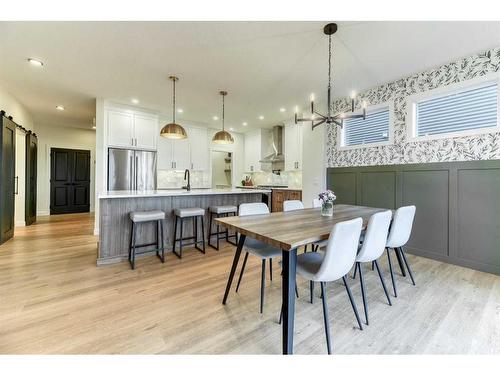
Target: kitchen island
[(115, 206)]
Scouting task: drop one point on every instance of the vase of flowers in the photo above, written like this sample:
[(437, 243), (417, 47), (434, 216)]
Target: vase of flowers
[(327, 198)]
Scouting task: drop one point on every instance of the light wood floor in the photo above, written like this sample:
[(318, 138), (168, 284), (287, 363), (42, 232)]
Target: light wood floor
[(53, 299)]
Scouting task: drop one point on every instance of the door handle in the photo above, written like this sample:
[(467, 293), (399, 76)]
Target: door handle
[(16, 185)]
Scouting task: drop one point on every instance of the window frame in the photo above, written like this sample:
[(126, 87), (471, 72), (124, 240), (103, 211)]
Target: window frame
[(371, 108), (454, 88)]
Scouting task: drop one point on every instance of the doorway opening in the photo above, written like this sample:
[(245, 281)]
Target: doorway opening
[(222, 169), (69, 181)]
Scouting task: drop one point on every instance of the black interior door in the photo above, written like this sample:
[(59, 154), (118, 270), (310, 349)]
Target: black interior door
[(31, 171), (69, 181), (8, 158)]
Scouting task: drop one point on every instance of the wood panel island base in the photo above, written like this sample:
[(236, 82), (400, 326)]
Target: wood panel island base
[(115, 207)]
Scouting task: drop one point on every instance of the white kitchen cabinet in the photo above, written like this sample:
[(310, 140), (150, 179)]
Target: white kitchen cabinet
[(200, 156), (132, 130), (181, 153), (253, 150), (146, 131), (293, 147), (121, 129), (165, 153)]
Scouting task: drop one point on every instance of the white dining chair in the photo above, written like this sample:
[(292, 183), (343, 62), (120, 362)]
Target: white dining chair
[(399, 235), (333, 264), (258, 248), (294, 205), (371, 249)]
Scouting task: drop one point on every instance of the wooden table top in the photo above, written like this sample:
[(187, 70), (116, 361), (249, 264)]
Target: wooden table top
[(289, 230)]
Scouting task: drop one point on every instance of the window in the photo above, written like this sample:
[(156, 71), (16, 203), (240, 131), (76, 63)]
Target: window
[(467, 108), (374, 130)]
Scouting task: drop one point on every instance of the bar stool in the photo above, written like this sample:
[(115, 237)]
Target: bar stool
[(221, 211), (195, 214), (141, 217)]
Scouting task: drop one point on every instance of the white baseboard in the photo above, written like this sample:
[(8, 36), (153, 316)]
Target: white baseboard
[(20, 223), (42, 213)]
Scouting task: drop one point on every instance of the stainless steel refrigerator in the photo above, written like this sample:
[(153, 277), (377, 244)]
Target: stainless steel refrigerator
[(131, 169)]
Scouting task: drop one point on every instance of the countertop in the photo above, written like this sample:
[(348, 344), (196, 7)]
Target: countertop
[(270, 188), (177, 192)]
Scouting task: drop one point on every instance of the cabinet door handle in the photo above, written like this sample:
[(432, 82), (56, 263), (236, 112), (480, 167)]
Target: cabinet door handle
[(16, 188)]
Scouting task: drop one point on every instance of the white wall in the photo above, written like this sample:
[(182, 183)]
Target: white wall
[(20, 199), (14, 108), (313, 163), (61, 137), (21, 116)]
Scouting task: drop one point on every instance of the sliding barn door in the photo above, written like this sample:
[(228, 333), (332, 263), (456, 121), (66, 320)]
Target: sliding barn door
[(31, 172), (7, 174)]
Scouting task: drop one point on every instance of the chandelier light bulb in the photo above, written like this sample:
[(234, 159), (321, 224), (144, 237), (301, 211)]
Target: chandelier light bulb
[(353, 94)]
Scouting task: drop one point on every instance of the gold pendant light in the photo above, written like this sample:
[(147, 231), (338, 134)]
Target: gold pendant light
[(223, 137), (173, 130)]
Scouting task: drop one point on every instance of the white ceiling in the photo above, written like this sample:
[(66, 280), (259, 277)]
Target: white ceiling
[(263, 65)]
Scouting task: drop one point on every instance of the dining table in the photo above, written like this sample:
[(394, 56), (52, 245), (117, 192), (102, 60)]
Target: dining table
[(289, 231)]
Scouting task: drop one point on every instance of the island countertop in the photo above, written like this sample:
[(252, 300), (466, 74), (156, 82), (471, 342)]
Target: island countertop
[(177, 192)]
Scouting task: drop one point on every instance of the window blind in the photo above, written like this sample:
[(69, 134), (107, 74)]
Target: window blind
[(469, 109), (375, 128)]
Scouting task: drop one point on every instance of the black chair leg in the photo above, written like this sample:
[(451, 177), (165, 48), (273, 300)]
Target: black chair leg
[(262, 285), (383, 283), (326, 319), (407, 265), (134, 238), (175, 236), (311, 290), (373, 266), (355, 271), (353, 304), (162, 244), (363, 291), (392, 272), (241, 272), (271, 269), (131, 238), (281, 311), (400, 261), (203, 233)]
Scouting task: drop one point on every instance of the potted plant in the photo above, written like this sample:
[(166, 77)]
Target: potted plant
[(327, 198)]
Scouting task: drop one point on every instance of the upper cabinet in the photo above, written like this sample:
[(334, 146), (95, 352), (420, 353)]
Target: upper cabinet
[(180, 154), (253, 150), (200, 156), (132, 130), (293, 147)]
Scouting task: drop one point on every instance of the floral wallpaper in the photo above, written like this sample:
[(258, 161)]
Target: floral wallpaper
[(480, 147)]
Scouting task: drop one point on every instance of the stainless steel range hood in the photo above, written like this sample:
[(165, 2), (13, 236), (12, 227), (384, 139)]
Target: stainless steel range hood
[(276, 158)]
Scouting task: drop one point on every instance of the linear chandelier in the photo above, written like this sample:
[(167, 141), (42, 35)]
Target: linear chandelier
[(337, 119)]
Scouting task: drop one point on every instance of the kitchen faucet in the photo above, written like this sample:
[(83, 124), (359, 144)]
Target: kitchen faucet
[(188, 186)]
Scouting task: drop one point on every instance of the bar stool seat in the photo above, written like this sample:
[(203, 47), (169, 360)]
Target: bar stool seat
[(197, 214), (221, 211), (143, 217), (189, 212)]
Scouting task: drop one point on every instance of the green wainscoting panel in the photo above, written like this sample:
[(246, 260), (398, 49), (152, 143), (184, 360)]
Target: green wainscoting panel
[(378, 189), (458, 206), (479, 215), (344, 187), (428, 191)]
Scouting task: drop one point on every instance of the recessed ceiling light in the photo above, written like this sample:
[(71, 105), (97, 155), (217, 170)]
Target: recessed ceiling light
[(232, 129), (215, 118), (60, 108), (282, 109), (180, 110), (135, 101), (93, 127), (245, 123), (35, 62), (261, 117)]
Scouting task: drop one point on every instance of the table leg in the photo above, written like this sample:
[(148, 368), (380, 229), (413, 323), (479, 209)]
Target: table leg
[(234, 266), (288, 297)]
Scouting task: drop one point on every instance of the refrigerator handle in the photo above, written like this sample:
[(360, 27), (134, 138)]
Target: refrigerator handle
[(131, 183), (136, 174)]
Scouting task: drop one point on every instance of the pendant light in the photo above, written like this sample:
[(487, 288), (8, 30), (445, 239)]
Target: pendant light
[(173, 130), (222, 137)]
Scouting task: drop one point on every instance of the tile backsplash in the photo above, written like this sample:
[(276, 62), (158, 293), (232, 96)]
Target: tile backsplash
[(292, 179), (167, 179)]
